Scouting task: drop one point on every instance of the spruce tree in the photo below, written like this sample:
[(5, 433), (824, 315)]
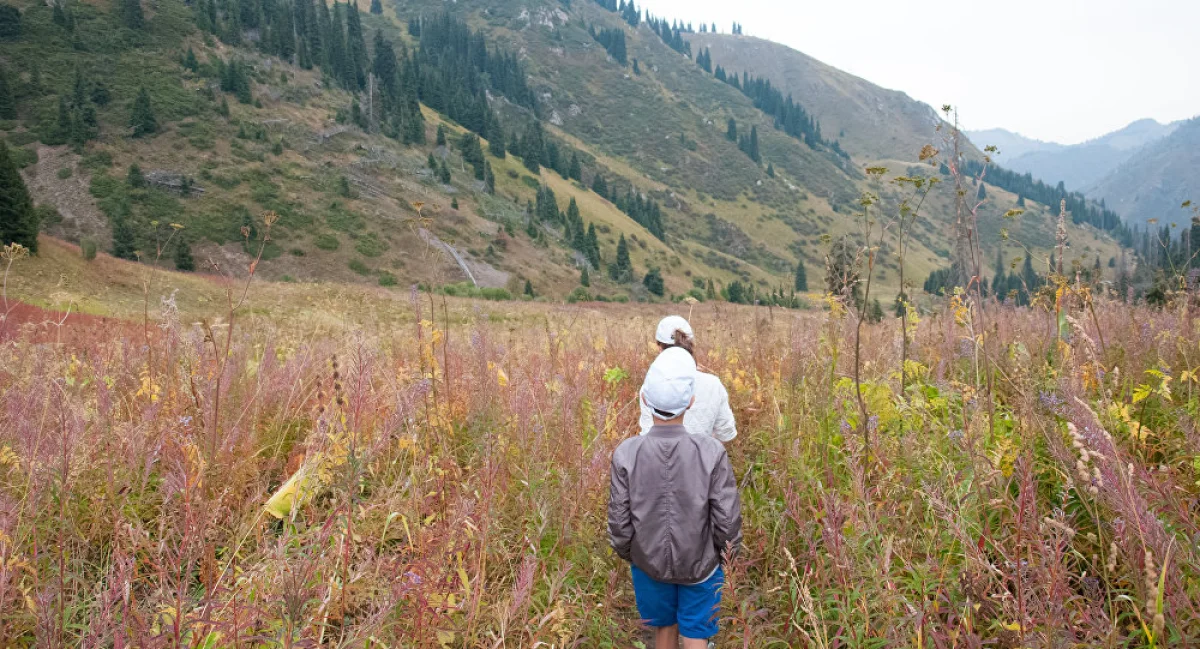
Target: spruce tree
[(124, 246), (183, 257), (770, 170), (376, 7), (621, 270), (131, 14), (356, 46), (8, 104), (18, 220), (489, 178), (134, 178), (585, 280), (731, 131), (142, 120), (441, 135), (593, 246), (576, 170), (529, 289), (801, 280), (496, 144), (444, 176)]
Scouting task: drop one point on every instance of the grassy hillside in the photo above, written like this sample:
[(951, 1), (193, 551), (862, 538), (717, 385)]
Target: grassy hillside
[(868, 120), (347, 196)]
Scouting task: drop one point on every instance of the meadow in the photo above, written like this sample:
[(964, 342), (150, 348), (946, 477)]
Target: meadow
[(372, 468)]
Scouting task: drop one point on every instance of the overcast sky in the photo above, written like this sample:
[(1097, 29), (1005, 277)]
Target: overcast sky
[(1056, 70)]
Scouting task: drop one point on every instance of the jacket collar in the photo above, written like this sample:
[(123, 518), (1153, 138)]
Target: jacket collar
[(660, 430)]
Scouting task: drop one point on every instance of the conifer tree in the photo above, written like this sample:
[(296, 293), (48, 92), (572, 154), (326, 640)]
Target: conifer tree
[(8, 104), (529, 289), (576, 170), (444, 176), (124, 245), (654, 282), (376, 7), (801, 279), (496, 144), (489, 178), (770, 170), (356, 47), (183, 257), (593, 246), (731, 132), (621, 270), (19, 222), (134, 178), (142, 120), (585, 280), (441, 135), (130, 12), (189, 60)]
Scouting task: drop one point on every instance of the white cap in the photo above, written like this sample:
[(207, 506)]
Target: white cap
[(665, 333), (670, 383)]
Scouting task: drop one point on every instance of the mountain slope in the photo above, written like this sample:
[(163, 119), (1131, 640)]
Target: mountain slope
[(868, 120), (1012, 145), (353, 190), (1156, 180), (1076, 166)]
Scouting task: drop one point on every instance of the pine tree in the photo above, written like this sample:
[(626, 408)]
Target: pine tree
[(189, 60), (622, 269), (593, 246), (183, 257), (576, 170), (376, 7), (801, 279), (876, 313), (131, 14), (142, 120), (124, 245), (454, 203), (441, 135), (753, 146), (770, 170), (496, 144), (489, 178), (585, 280), (529, 289), (134, 178), (19, 222), (8, 104), (731, 131), (444, 176)]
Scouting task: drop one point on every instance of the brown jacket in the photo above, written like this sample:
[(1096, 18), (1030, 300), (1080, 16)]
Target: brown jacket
[(673, 504)]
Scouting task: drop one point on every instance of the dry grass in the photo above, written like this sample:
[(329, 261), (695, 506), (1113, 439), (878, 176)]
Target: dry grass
[(452, 464)]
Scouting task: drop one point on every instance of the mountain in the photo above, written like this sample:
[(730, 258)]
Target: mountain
[(1157, 179), (505, 144), (869, 121), (1012, 146), (1076, 166)]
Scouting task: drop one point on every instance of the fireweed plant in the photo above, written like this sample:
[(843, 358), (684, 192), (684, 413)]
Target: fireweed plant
[(434, 473)]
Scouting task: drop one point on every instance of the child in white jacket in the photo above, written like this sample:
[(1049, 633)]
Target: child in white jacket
[(711, 414)]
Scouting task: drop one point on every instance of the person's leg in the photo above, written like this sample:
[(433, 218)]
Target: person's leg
[(657, 605), (699, 607), (667, 637)]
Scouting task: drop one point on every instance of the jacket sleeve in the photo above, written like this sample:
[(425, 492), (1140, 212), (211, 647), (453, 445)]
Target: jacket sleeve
[(620, 521), (725, 506), (725, 427)]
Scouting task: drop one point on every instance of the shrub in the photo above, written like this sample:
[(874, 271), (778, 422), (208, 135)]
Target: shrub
[(370, 245), (359, 267), (387, 279), (87, 248), (326, 241), (65, 173), (96, 160)]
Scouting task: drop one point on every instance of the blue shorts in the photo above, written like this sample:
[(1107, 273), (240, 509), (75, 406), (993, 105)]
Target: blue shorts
[(693, 608)]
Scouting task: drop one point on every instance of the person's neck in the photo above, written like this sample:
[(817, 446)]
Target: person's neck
[(678, 421)]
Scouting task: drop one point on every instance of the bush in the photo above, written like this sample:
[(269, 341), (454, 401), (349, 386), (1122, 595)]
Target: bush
[(104, 185), (580, 294), (327, 241), (359, 267), (87, 248), (370, 245), (21, 138), (387, 279), (47, 215), (10, 21), (65, 173), (96, 161), (23, 157), (466, 289)]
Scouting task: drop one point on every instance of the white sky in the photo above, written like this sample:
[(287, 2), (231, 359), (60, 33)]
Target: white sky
[(1057, 70)]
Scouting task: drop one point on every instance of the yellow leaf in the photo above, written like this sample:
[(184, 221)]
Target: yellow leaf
[(501, 378), (445, 638)]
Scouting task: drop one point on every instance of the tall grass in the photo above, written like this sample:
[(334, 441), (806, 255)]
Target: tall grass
[(450, 479)]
